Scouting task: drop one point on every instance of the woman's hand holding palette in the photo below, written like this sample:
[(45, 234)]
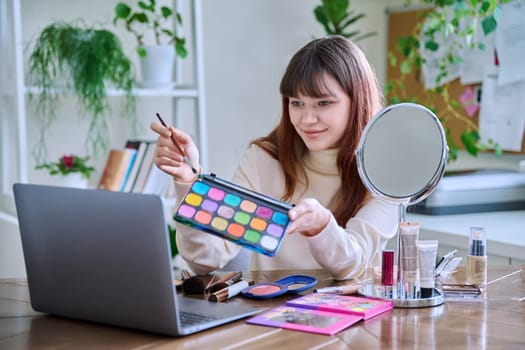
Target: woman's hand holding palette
[(245, 217)]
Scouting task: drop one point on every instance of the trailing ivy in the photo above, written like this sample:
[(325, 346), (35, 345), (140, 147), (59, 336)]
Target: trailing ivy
[(74, 57), (454, 22)]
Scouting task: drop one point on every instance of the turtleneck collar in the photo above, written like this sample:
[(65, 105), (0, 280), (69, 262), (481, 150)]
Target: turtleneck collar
[(322, 162)]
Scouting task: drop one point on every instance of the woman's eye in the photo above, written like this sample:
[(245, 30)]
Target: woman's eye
[(296, 103), (324, 103)]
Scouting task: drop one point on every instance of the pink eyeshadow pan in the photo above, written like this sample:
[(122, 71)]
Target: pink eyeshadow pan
[(216, 194), (264, 212), (186, 211)]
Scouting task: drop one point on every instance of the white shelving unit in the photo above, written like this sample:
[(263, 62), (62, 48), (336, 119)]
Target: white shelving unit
[(13, 137)]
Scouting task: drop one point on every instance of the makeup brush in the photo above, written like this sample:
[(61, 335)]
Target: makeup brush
[(225, 281), (181, 150)]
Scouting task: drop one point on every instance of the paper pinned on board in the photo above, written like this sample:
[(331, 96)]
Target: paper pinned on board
[(475, 59), (510, 42), (502, 111)]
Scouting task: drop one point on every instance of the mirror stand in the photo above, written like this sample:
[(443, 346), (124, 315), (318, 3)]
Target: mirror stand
[(401, 294), (401, 157)]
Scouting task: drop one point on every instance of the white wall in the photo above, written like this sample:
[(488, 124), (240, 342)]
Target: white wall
[(247, 47), (247, 44)]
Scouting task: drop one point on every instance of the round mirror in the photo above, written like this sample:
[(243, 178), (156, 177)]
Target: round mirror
[(402, 153)]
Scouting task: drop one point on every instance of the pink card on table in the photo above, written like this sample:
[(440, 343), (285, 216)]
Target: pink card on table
[(305, 320), (346, 304)]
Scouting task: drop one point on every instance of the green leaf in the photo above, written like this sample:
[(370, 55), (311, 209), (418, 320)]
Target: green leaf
[(180, 48), (470, 140), (141, 51), (406, 67), (166, 11), (147, 7), (498, 151), (388, 87), (394, 100), (173, 240), (322, 17), (485, 6), (336, 9), (139, 17), (431, 45), (122, 10), (351, 20), (489, 24), (392, 59), (452, 153)]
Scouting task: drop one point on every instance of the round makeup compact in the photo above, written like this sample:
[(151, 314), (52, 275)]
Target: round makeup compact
[(292, 284)]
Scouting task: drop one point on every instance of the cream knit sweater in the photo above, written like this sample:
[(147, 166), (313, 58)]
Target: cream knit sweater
[(345, 252)]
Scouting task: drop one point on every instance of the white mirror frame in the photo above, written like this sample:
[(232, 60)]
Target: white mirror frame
[(407, 167)]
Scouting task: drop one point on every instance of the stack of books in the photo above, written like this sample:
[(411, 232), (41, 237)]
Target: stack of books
[(132, 169)]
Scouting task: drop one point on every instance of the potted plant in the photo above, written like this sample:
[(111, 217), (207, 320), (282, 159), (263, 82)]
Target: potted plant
[(157, 39), (73, 170), (336, 19), (85, 60)]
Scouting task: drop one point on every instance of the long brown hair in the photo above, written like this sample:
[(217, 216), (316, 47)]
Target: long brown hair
[(347, 64)]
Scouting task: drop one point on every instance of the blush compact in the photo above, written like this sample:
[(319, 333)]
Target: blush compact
[(292, 284)]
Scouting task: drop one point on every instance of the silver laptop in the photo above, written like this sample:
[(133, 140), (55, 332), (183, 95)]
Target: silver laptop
[(105, 257)]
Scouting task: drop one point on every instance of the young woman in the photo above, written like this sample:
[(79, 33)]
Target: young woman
[(329, 92)]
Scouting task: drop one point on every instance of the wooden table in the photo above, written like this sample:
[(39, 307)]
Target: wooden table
[(496, 323)]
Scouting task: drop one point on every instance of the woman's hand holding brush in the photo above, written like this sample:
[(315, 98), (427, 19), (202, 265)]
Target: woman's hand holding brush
[(176, 153)]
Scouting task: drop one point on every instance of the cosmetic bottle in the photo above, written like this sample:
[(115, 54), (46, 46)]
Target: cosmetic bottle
[(387, 268), (477, 257)]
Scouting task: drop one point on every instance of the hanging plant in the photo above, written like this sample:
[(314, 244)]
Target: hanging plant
[(86, 60)]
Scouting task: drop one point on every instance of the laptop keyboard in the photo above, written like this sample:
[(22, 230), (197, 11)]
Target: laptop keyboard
[(187, 318)]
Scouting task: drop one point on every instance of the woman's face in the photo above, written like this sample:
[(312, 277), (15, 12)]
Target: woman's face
[(321, 122)]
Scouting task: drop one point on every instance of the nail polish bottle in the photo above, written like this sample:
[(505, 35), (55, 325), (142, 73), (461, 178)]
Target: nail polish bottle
[(477, 257)]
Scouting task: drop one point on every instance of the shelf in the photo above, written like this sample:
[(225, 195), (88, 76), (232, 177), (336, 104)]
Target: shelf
[(178, 92)]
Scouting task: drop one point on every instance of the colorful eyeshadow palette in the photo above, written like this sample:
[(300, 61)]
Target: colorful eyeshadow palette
[(245, 217)]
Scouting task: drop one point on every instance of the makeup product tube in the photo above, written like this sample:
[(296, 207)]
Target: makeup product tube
[(426, 259), (387, 268), (409, 233), (477, 257)]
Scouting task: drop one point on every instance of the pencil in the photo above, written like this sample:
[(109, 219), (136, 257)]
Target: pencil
[(181, 150)]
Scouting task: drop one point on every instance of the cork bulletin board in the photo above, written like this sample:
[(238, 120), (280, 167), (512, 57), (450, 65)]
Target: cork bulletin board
[(403, 23)]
